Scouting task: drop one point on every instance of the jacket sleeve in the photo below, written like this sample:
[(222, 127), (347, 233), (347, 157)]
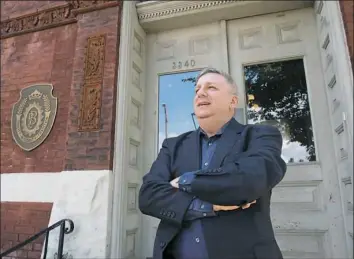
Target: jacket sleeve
[(248, 175), (157, 198)]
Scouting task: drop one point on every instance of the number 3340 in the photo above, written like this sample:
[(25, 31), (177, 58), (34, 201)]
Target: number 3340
[(185, 64)]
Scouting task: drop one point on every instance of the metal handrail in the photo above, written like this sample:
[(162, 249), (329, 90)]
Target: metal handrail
[(63, 231)]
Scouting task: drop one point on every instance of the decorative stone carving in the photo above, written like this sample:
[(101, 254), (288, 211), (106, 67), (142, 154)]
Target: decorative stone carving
[(131, 242), (90, 108), (37, 21), (187, 7), (251, 38), (132, 197), (94, 61), (84, 3), (33, 116), (52, 17)]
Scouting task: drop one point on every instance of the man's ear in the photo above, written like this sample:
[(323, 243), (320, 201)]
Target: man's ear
[(234, 102)]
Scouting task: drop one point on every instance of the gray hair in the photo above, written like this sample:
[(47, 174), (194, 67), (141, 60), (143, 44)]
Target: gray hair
[(228, 78)]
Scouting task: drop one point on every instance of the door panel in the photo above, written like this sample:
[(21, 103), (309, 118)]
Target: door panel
[(174, 56), (306, 210), (306, 206)]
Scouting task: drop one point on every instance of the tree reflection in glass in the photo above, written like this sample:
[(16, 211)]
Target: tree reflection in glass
[(277, 95)]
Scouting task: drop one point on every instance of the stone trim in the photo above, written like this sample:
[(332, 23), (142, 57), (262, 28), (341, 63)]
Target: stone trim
[(186, 7), (52, 17), (90, 106)]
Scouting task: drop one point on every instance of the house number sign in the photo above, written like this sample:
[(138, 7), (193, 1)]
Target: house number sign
[(183, 64)]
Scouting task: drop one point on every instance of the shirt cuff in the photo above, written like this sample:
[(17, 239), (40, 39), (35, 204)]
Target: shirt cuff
[(185, 181)]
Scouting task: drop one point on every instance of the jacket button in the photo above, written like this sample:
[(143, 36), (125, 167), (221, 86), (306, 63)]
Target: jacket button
[(162, 244)]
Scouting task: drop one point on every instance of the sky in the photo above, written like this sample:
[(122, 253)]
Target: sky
[(178, 97)]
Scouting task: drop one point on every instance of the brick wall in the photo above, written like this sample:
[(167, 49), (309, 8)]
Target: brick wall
[(19, 221), (57, 56), (348, 16), (9, 9), (94, 150), (43, 56)]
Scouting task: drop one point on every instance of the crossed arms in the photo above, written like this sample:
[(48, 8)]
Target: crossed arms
[(245, 178)]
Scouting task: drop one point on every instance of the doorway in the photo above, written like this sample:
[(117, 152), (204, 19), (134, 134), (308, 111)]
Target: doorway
[(276, 64)]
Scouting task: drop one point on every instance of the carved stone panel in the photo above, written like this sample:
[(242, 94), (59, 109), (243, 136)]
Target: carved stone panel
[(136, 76), (94, 60), (90, 107), (251, 38), (288, 32), (199, 46), (52, 17), (39, 20), (165, 50), (135, 113), (138, 44), (132, 197), (130, 243), (298, 196), (301, 243), (133, 153)]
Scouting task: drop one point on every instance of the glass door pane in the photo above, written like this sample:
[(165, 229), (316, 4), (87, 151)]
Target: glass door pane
[(176, 94), (277, 95)]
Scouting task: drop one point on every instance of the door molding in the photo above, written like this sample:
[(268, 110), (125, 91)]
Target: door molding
[(118, 201), (157, 16)]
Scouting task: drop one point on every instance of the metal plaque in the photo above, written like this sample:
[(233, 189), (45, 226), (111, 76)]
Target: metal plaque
[(33, 116)]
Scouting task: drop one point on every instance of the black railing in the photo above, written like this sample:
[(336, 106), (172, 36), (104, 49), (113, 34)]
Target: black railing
[(63, 230)]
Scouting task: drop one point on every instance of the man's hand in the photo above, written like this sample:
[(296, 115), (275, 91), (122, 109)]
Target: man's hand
[(174, 183), (227, 208)]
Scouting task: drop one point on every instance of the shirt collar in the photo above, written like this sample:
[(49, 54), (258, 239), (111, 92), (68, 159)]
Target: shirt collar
[(220, 131)]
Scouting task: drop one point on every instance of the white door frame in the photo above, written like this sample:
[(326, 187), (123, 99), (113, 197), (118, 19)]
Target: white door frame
[(157, 16)]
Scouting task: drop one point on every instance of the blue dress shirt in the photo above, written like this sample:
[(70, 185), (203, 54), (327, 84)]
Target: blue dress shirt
[(190, 242)]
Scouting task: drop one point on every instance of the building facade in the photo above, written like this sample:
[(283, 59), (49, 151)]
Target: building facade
[(121, 73)]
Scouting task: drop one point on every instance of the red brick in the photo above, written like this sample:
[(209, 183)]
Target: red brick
[(34, 254), (57, 56), (37, 247), (24, 225), (347, 15), (38, 63), (24, 229), (84, 149), (9, 9)]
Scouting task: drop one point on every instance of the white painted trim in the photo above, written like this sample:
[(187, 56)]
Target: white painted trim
[(164, 21), (224, 45), (344, 66), (29, 187), (37, 187), (345, 81), (83, 197), (119, 192), (167, 15)]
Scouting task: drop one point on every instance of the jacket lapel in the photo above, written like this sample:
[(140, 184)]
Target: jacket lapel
[(194, 152), (227, 141)]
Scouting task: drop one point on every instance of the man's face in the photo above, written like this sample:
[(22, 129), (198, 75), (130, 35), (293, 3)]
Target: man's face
[(213, 96)]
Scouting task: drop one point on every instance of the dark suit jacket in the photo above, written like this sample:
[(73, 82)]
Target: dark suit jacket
[(246, 165)]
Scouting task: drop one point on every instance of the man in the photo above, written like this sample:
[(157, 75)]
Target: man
[(211, 187)]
